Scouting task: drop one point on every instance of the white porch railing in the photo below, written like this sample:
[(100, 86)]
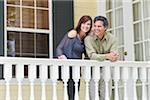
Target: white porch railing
[(124, 74)]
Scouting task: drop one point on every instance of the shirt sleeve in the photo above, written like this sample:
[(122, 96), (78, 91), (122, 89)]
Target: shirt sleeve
[(59, 49), (90, 50), (114, 46)]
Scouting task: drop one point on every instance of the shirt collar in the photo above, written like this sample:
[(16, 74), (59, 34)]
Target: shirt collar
[(105, 37)]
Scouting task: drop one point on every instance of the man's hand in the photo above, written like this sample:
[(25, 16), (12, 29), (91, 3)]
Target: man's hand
[(112, 56)]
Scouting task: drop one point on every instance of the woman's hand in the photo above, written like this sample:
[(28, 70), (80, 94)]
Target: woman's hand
[(62, 57)]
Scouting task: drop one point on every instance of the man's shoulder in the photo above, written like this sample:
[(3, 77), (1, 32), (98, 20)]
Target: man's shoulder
[(89, 37)]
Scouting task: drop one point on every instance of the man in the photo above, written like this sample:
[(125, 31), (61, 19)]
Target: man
[(100, 46)]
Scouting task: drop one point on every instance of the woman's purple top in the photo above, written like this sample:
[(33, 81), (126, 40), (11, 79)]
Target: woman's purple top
[(72, 48)]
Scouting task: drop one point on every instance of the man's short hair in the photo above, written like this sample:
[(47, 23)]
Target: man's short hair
[(103, 19)]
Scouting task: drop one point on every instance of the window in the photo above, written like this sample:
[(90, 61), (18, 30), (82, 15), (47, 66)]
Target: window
[(114, 13), (141, 24), (28, 28)]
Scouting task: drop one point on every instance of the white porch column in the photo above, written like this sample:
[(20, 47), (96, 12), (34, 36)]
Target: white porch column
[(76, 76), (96, 78), (65, 77), (32, 76), (116, 80), (19, 76), (54, 77), (7, 76), (44, 77), (87, 77)]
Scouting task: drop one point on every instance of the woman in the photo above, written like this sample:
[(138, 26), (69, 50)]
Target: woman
[(72, 46)]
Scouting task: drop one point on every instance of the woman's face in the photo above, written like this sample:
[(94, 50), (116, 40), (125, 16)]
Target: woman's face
[(85, 27)]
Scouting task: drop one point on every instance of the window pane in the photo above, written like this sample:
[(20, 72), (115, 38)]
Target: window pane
[(42, 3), (147, 50), (147, 29), (119, 34), (146, 6), (28, 2), (109, 16), (138, 52), (118, 3), (119, 17), (13, 16), (108, 4), (15, 2), (27, 44), (121, 53), (28, 18), (13, 36), (42, 19), (136, 12), (42, 45), (137, 32)]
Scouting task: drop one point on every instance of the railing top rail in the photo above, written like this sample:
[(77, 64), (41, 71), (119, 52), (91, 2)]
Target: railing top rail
[(72, 62)]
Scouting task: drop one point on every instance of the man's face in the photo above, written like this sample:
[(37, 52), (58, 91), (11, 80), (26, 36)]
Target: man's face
[(99, 29)]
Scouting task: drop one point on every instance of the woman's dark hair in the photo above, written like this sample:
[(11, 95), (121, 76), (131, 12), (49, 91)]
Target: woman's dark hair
[(103, 19), (83, 19)]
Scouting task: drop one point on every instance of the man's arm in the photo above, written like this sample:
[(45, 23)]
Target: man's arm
[(90, 50)]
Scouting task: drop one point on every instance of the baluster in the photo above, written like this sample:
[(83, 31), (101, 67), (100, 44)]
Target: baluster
[(143, 79), (149, 82), (54, 77), (125, 79), (87, 77), (76, 76), (116, 80), (44, 77), (32, 76), (20, 75), (96, 77), (135, 77), (7, 77), (65, 77), (107, 75)]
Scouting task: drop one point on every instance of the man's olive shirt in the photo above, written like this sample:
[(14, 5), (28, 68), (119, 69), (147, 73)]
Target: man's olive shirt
[(96, 48)]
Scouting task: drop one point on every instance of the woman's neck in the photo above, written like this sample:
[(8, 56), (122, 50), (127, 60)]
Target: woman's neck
[(82, 35)]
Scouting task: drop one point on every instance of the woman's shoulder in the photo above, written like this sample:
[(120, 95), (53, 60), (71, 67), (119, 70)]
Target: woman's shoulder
[(72, 34)]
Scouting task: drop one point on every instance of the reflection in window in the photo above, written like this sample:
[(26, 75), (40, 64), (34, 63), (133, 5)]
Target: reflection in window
[(147, 50), (109, 17), (13, 16), (42, 3), (108, 4), (146, 8), (28, 3), (29, 44), (118, 3), (137, 32), (42, 19), (119, 17), (27, 18), (14, 2), (42, 42), (13, 37), (136, 12), (147, 29), (120, 36), (138, 52), (121, 53)]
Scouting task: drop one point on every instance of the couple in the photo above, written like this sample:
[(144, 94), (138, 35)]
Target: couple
[(97, 44)]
